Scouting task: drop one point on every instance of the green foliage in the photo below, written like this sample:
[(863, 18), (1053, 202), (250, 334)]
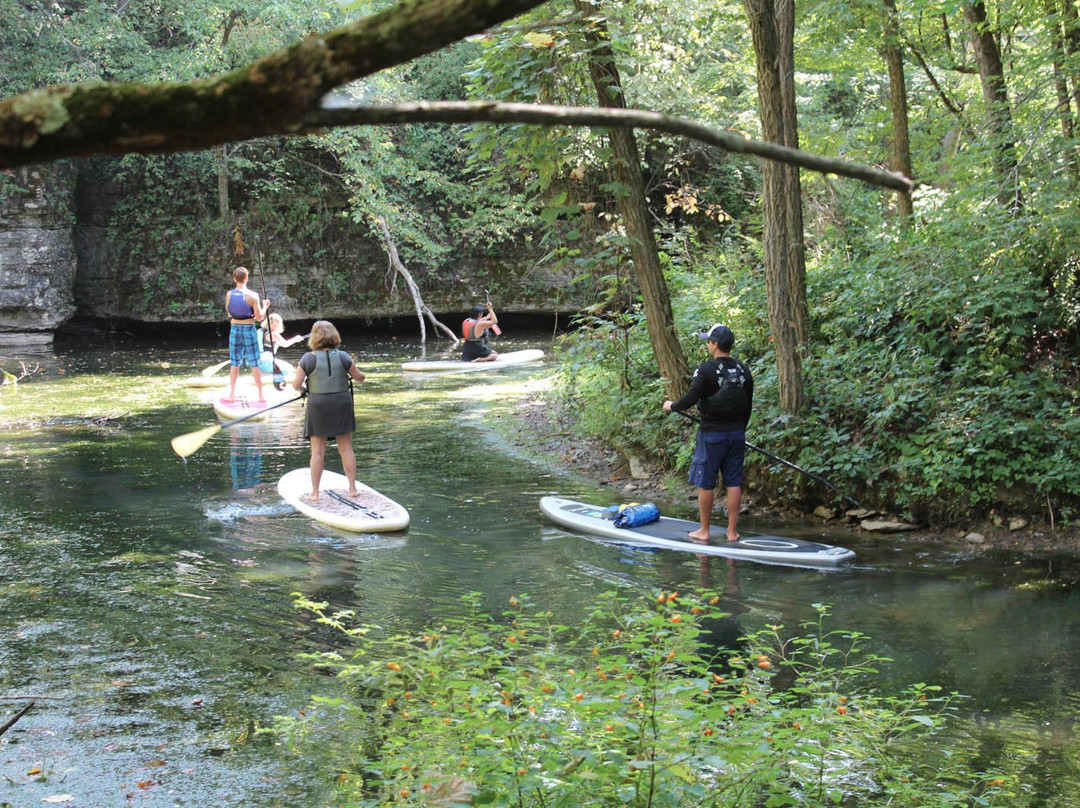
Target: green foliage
[(941, 374), (631, 707)]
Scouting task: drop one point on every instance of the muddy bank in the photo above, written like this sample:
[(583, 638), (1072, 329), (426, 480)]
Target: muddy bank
[(541, 428)]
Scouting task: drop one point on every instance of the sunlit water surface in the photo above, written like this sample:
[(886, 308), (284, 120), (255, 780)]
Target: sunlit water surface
[(145, 601)]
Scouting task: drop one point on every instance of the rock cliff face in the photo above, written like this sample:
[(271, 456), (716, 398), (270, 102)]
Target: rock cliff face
[(61, 255), (37, 254)]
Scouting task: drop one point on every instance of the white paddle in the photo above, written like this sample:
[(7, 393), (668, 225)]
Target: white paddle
[(210, 371)]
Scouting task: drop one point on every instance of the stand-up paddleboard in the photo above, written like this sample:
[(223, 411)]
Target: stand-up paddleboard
[(245, 401), (369, 512), (671, 534), (207, 381), (461, 366), (222, 380)]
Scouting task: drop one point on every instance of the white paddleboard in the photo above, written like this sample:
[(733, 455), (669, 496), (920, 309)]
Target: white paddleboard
[(369, 512), (671, 534), (207, 381), (245, 401), (222, 378), (460, 366)]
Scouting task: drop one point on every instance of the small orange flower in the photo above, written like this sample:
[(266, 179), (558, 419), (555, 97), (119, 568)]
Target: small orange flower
[(797, 725), (718, 679), (522, 770), (695, 610), (764, 664), (842, 710), (616, 633), (708, 730), (513, 601), (676, 619), (404, 792), (662, 598), (996, 783), (714, 600), (579, 696), (673, 595), (511, 639), (393, 666)]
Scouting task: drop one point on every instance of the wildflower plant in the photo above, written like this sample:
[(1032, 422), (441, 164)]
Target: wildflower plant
[(630, 708)]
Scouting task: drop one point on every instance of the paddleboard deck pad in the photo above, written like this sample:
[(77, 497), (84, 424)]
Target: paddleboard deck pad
[(461, 366), (369, 512), (671, 534)]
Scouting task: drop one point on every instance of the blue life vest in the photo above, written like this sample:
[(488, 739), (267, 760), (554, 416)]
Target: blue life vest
[(239, 308)]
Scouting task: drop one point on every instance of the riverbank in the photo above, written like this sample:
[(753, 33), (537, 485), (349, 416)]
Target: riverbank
[(542, 428)]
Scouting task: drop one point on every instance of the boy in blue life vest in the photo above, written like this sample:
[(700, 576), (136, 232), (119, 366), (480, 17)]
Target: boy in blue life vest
[(723, 390), (245, 310), (474, 330)]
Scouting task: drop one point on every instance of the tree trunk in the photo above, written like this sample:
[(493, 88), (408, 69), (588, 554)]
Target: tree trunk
[(1061, 84), (900, 157), (223, 181), (772, 25), (626, 172), (1071, 21), (994, 89)]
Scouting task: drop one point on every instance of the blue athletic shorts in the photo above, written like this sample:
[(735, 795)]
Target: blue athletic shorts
[(244, 346), (718, 455)]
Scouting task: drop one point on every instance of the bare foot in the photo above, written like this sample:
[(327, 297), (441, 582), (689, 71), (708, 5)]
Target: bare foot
[(698, 537), (732, 536), (354, 494), (313, 498)]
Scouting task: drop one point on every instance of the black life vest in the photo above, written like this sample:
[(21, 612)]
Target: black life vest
[(730, 399), (329, 375)]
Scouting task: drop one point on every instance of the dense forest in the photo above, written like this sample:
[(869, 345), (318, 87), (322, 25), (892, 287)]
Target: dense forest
[(918, 349)]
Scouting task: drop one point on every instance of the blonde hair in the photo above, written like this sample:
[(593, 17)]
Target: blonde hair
[(323, 336), (276, 318), (240, 274)]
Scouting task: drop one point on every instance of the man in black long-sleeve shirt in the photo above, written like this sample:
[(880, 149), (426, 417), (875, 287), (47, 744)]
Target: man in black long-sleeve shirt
[(723, 390)]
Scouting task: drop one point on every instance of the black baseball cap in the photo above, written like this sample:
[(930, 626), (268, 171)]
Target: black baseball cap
[(720, 334)]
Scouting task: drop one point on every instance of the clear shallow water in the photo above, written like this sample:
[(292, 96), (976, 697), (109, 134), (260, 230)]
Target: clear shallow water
[(145, 601)]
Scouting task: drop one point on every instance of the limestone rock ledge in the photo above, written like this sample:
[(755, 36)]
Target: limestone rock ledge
[(37, 254)]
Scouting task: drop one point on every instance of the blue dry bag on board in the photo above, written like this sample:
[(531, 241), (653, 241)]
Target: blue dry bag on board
[(636, 515)]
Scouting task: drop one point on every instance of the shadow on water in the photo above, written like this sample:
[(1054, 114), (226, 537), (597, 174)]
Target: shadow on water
[(147, 600)]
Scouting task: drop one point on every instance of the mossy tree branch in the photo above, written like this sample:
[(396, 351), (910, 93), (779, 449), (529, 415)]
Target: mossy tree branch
[(283, 94)]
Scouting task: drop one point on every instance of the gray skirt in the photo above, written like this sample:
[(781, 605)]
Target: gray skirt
[(329, 415)]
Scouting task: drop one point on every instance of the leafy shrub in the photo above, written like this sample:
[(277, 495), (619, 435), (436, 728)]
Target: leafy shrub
[(632, 707)]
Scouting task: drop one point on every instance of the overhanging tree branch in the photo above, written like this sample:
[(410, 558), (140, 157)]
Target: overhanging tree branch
[(289, 93), (267, 97), (336, 114)]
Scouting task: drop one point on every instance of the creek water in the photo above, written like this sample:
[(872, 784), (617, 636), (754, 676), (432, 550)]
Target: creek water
[(146, 601)]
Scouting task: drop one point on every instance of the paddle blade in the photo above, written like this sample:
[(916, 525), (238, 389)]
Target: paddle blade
[(210, 371), (190, 443)]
